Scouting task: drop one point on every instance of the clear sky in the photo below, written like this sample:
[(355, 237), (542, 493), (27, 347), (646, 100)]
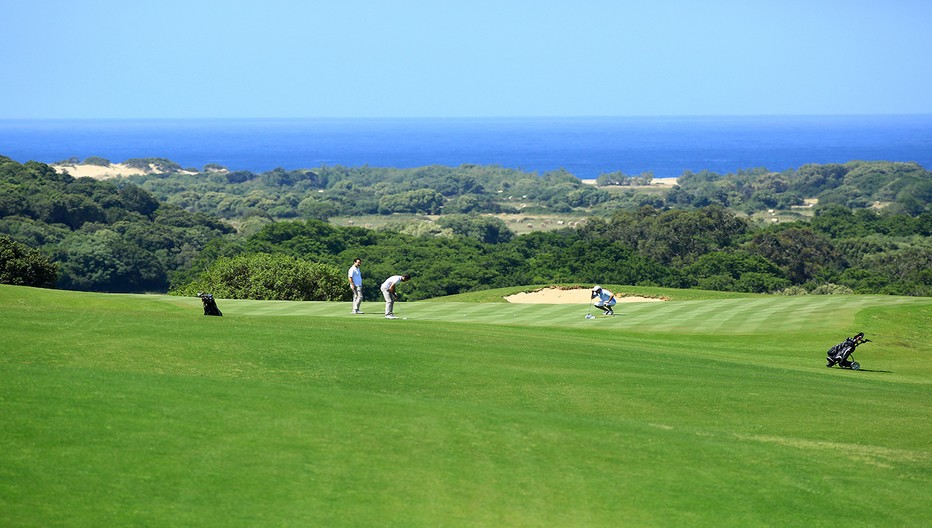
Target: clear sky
[(475, 58)]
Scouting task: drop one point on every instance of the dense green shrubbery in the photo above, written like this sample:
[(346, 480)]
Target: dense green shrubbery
[(97, 160), (23, 266), (904, 187), (344, 191), (104, 236), (269, 277), (706, 248), (150, 164), (736, 271)]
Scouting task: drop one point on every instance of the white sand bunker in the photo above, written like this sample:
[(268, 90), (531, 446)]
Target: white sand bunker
[(556, 295)]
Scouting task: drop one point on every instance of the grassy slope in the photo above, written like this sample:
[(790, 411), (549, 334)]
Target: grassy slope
[(136, 410)]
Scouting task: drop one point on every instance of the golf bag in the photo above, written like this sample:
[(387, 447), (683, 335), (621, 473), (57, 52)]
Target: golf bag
[(840, 354), (210, 305)]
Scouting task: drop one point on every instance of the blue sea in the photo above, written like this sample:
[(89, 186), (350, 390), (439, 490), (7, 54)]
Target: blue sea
[(586, 147)]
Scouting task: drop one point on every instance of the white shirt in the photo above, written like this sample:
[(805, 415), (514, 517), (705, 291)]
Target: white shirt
[(604, 295), (391, 281), (355, 274)]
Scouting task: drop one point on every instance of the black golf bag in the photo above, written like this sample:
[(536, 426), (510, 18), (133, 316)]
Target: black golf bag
[(210, 305), (840, 354)]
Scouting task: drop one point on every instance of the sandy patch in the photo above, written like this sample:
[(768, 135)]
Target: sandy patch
[(664, 182), (554, 295), (99, 172)]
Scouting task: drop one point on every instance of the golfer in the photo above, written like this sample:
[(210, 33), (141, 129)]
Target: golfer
[(355, 284), (606, 299), (388, 291)]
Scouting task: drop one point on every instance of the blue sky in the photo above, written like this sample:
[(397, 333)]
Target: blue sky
[(477, 58)]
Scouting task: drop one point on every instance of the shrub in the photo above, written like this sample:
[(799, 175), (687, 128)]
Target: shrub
[(153, 164), (760, 283), (262, 276), (25, 266), (98, 161), (832, 289)]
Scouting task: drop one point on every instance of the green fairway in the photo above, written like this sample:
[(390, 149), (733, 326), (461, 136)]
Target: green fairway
[(136, 410)]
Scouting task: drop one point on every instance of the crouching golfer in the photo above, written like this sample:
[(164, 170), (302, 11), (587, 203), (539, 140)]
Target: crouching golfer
[(388, 291), (605, 299)]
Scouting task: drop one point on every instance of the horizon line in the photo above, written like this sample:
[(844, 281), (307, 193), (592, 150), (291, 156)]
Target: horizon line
[(463, 118)]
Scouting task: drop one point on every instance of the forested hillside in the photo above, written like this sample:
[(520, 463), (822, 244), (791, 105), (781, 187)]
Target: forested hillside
[(104, 236), (343, 191), (161, 230), (708, 248), (897, 187)]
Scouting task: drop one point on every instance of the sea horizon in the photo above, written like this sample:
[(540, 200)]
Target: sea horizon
[(666, 146)]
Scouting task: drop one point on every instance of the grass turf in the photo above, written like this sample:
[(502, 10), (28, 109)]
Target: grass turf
[(135, 410)]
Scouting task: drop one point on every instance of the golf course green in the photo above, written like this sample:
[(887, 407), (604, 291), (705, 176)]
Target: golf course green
[(706, 410)]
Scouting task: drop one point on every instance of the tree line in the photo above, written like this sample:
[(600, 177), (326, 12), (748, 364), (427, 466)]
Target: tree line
[(708, 248), (327, 192), (100, 235), (120, 236)]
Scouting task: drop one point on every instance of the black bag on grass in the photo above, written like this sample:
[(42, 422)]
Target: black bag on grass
[(840, 353), (210, 305)]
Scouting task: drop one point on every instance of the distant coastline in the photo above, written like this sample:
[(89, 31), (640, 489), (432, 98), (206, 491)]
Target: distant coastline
[(585, 147), (118, 170)]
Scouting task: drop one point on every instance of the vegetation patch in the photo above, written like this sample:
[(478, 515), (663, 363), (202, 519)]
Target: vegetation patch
[(159, 232)]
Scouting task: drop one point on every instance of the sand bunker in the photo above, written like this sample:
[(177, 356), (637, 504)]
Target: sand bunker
[(556, 295)]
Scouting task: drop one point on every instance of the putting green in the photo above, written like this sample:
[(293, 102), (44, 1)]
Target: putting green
[(754, 315)]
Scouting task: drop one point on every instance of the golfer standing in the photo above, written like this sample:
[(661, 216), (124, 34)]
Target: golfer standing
[(388, 291), (355, 284), (604, 299)]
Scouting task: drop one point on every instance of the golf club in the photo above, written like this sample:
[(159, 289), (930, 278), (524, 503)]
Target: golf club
[(396, 300)]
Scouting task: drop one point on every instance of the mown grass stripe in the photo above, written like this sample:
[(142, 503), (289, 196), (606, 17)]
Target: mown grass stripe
[(738, 316)]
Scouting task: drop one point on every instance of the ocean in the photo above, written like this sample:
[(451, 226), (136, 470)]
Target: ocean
[(586, 147)]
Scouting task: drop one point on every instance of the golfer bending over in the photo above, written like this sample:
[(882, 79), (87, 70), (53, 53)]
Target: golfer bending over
[(388, 291), (606, 299)]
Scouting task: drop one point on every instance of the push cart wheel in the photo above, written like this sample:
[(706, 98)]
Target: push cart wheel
[(855, 365)]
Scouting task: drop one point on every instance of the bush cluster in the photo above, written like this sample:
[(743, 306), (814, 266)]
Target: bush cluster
[(23, 266), (269, 277)]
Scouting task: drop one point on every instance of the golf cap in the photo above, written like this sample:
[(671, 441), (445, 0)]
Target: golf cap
[(596, 288)]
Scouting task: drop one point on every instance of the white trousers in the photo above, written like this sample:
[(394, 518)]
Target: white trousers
[(389, 302), (357, 297)]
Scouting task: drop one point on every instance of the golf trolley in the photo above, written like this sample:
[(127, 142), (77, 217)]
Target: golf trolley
[(841, 354), (210, 305)]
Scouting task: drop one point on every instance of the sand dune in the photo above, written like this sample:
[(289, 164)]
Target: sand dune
[(98, 172)]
